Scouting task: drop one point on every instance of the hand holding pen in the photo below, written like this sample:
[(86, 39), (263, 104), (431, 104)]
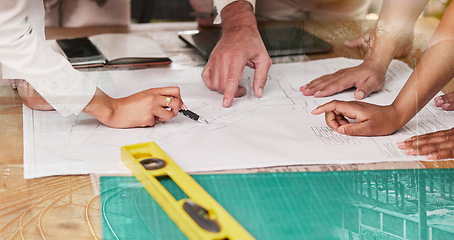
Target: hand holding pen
[(141, 109), (188, 113)]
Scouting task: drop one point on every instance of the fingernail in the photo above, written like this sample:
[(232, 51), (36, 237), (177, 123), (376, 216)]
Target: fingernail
[(445, 105), (401, 145), (341, 130), (184, 107), (410, 151), (259, 92), (226, 102), (313, 111), (360, 95), (317, 93), (439, 100)]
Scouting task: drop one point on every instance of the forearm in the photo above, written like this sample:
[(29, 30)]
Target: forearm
[(237, 15), (445, 30), (101, 106), (432, 73), (25, 55), (221, 4), (30, 97), (394, 30)]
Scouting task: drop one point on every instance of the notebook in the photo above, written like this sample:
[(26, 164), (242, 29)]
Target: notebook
[(111, 50)]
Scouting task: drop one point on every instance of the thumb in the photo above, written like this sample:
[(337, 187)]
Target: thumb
[(356, 129), (12, 82), (367, 87)]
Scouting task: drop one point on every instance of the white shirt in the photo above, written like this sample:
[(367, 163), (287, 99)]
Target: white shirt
[(290, 10), (24, 54), (220, 4)]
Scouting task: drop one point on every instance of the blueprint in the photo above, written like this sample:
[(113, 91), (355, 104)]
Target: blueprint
[(275, 130)]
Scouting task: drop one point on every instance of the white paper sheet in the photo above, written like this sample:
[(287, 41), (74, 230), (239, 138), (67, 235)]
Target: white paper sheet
[(275, 130)]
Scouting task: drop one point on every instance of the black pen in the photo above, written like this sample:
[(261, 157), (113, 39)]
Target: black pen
[(192, 115)]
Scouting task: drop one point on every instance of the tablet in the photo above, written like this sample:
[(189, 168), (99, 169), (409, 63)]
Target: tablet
[(278, 40)]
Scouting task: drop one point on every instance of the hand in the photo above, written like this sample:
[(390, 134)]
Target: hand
[(138, 110), (381, 47), (446, 102), (372, 120), (435, 145), (239, 46), (366, 41), (12, 83), (368, 77)]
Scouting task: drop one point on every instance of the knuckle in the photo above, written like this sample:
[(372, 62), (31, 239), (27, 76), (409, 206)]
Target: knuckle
[(149, 120), (234, 55), (206, 71), (232, 78), (152, 98), (205, 77), (222, 55), (176, 89), (267, 61), (209, 84)]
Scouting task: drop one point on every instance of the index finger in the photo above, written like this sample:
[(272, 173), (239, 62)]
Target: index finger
[(170, 91), (173, 92), (347, 109)]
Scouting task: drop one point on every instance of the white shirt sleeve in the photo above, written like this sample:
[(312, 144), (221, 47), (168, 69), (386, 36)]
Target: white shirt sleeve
[(24, 54), (220, 4)]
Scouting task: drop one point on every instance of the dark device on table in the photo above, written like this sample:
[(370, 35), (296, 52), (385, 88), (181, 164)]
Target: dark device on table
[(79, 50), (278, 40)]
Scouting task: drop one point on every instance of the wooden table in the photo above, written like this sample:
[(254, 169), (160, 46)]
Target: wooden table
[(65, 207)]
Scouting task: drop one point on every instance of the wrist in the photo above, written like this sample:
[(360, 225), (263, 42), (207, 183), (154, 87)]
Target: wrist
[(238, 14), (380, 64), (101, 107), (391, 41), (402, 114), (206, 23), (396, 118)]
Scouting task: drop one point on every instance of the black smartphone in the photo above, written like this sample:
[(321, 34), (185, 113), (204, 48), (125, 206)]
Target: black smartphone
[(81, 51)]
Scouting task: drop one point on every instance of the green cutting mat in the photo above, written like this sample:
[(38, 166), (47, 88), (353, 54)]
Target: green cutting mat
[(318, 205)]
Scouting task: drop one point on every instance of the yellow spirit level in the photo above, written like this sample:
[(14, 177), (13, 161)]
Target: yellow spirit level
[(199, 216)]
